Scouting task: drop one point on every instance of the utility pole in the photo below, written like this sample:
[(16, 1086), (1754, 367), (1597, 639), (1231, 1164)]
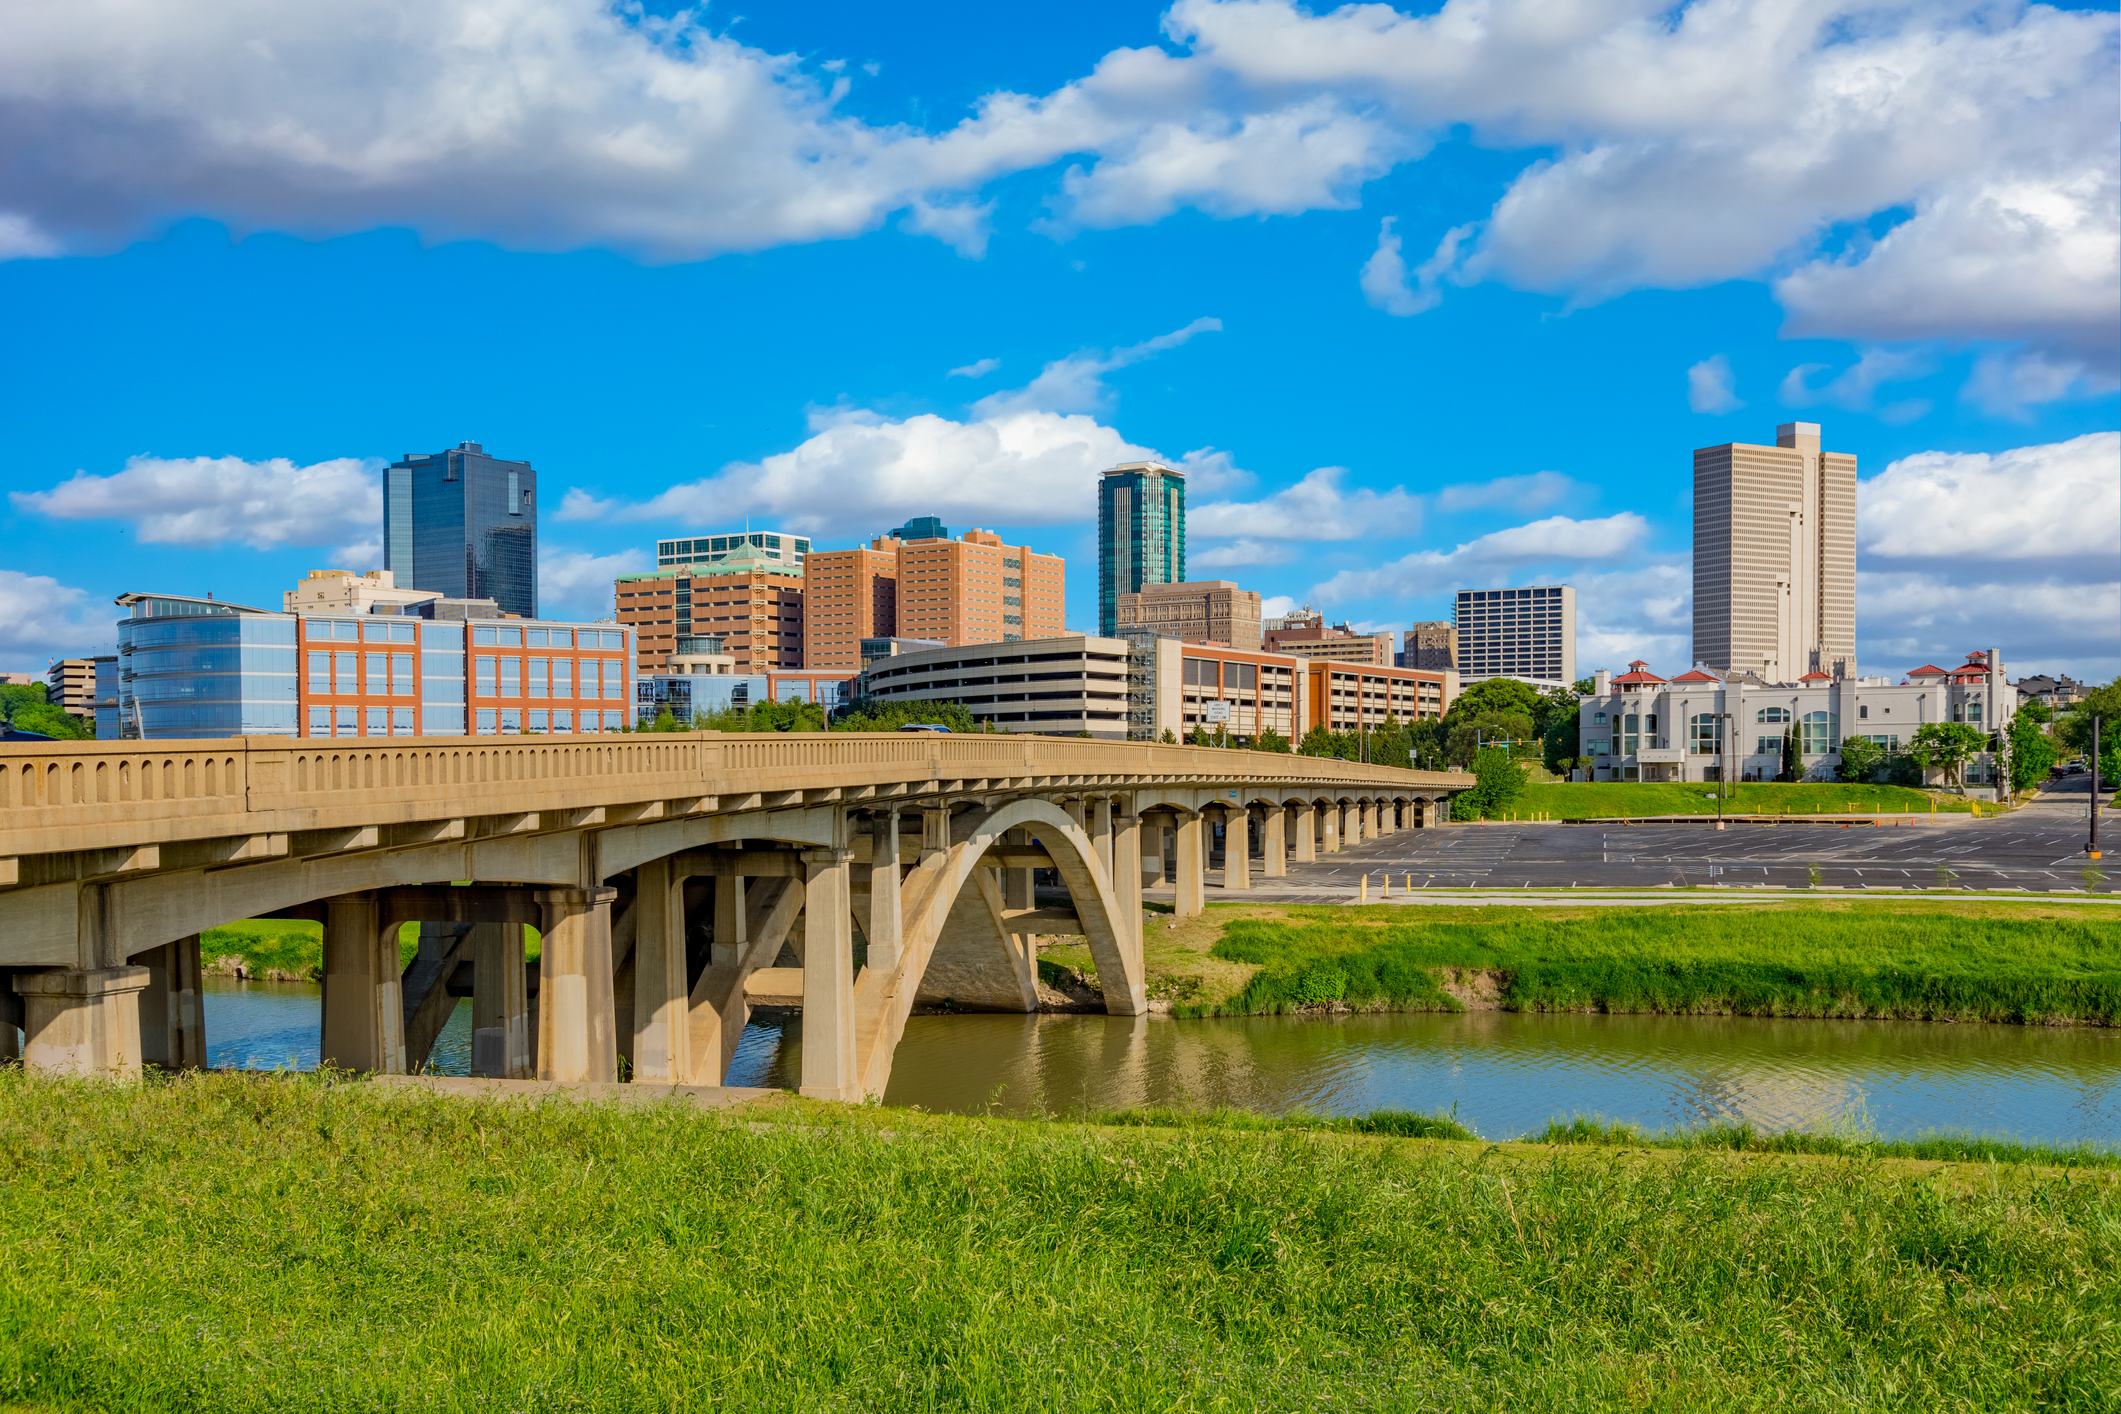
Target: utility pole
[(2091, 846)]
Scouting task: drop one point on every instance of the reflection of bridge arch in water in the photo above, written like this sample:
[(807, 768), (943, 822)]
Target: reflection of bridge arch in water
[(670, 878)]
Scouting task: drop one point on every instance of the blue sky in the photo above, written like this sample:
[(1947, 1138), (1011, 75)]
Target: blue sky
[(1431, 299)]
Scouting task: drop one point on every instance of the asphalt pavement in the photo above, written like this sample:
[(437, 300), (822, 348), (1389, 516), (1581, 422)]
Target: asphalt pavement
[(2037, 849)]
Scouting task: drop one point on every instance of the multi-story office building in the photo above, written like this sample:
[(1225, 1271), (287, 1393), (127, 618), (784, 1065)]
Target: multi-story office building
[(192, 667), (849, 596), (919, 528), (753, 604), (1194, 611), (1307, 635), (1143, 685), (1141, 534), (1639, 726), (70, 685), (692, 697), (774, 547), (464, 525), (1528, 634), (1775, 557), (976, 589), (344, 592), (875, 648), (1429, 645)]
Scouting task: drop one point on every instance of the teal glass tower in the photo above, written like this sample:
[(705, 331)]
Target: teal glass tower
[(465, 524), (1141, 534)]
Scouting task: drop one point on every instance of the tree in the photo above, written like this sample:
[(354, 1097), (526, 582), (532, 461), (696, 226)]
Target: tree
[(1504, 695), (1946, 745), (1860, 758), (1560, 728), (2032, 752), (1792, 763), (1319, 742), (1199, 736), (1271, 740), (2073, 728), (1469, 734), (25, 709), (1498, 780), (1168, 738), (1426, 743), (874, 715)]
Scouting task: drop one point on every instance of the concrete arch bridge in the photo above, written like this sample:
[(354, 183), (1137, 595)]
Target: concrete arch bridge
[(676, 879)]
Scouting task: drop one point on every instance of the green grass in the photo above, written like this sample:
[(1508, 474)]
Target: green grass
[(1946, 1148), (291, 949), (274, 1243), (1850, 960), (1583, 800)]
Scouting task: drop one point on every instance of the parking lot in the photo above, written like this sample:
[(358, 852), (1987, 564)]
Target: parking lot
[(2038, 848)]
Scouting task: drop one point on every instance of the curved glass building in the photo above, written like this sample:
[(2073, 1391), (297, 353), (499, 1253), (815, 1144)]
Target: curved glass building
[(203, 668)]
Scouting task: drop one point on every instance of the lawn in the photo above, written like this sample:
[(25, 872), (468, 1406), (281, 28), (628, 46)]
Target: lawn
[(1582, 800), (241, 1242), (289, 949), (1972, 960)]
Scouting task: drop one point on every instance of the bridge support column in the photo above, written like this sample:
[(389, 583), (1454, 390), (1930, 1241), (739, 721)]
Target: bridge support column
[(577, 1032), (82, 1022), (1019, 886), (1152, 849), (729, 939), (886, 926), (1101, 831), (662, 1033), (1127, 879), (1329, 828), (1192, 863), (172, 1029), (1274, 829), (1369, 820), (828, 978), (935, 831), (364, 1006), (500, 1003), (1306, 832), (1237, 849)]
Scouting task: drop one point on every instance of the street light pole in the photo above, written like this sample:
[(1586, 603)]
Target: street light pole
[(2091, 846)]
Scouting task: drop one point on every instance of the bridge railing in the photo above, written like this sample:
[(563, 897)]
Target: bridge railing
[(64, 795)]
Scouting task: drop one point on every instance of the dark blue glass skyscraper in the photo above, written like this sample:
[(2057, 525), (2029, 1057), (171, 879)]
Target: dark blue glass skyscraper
[(463, 523)]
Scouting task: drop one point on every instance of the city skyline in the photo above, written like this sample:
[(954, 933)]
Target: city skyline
[(1403, 336)]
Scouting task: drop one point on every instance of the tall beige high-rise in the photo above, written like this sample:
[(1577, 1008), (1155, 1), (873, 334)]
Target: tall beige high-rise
[(1775, 557)]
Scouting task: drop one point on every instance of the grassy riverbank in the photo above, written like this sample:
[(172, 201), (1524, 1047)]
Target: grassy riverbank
[(1958, 961), (1589, 800), (268, 1243), (287, 949)]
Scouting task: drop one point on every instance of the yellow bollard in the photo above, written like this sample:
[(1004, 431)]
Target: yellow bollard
[(1363, 896), (1410, 883), (1386, 880)]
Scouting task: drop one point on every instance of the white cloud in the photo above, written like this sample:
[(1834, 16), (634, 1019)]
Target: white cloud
[(1711, 388), (2049, 625), (1518, 493), (2031, 512), (207, 501), (1275, 606), (1387, 283), (40, 619), (578, 584), (1076, 383), (1315, 508), (1555, 541), (2009, 383), (1213, 473), (1645, 611), (1855, 386), (978, 369), (1240, 552), (863, 474)]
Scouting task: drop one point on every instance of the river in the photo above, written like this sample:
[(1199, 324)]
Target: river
[(1504, 1073)]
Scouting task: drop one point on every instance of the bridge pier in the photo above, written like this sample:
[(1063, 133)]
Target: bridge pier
[(82, 1021), (1306, 824), (577, 1035), (172, 1029), (662, 1050), (828, 976), (1127, 882), (364, 1007), (502, 1031), (1237, 848), (1329, 828), (1189, 891), (886, 929), (1274, 829)]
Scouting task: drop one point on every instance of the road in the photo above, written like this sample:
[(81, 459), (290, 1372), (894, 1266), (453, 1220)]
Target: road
[(2038, 848)]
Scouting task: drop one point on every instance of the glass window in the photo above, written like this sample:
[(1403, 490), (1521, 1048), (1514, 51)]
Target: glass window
[(563, 721), (344, 631), (1818, 733), (488, 681), (1598, 718), (401, 679), (401, 721), (563, 677), (343, 667), (1863, 711), (442, 721), (378, 670), (487, 721), (511, 722), (319, 674), (611, 638), (534, 637), (349, 721), (1973, 710), (508, 637), (539, 722), (511, 677), (378, 721), (563, 638), (539, 667), (612, 721), (1706, 735), (796, 691), (614, 679), (1772, 714), (482, 634), (320, 721)]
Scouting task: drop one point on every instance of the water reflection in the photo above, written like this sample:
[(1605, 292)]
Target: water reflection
[(1506, 1073)]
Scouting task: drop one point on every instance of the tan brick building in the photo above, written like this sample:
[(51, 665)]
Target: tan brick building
[(1307, 635), (1195, 611), (975, 589), (848, 595), (753, 605)]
